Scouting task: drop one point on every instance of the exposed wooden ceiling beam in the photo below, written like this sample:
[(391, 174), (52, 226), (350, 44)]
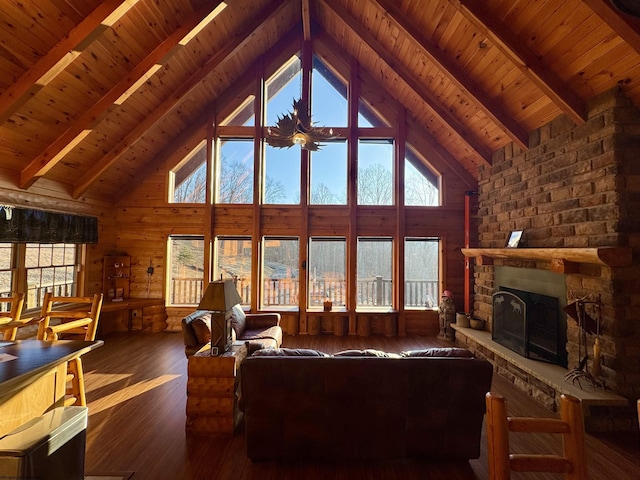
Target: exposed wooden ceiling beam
[(56, 59), (417, 135), (624, 25), (284, 45), (306, 21), (526, 60), (433, 103), (491, 108), (270, 11), (50, 156)]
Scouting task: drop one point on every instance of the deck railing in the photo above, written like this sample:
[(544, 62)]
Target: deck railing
[(372, 292), (36, 294)]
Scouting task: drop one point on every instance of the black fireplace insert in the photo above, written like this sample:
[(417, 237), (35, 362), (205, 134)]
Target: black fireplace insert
[(530, 324)]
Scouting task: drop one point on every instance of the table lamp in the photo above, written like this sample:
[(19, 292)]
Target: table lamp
[(219, 299)]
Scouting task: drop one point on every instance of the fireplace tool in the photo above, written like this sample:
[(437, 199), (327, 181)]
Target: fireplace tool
[(586, 324)]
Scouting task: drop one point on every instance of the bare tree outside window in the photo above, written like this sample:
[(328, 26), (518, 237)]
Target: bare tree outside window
[(236, 184), (329, 174), (189, 177), (374, 282), (280, 279), (235, 180), (186, 256), (421, 272), (375, 172), (193, 188), (327, 269), (421, 183)]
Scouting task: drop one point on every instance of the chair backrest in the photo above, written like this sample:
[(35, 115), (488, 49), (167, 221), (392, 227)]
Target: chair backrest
[(8, 320), (570, 425), (78, 316)]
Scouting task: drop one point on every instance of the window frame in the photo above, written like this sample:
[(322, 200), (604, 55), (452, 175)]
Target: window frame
[(169, 291), (436, 295), (375, 307), (19, 273), (296, 291)]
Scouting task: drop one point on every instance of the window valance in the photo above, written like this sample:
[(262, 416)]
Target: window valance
[(27, 225)]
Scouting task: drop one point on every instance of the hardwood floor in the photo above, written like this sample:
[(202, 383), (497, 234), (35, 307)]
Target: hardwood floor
[(136, 392)]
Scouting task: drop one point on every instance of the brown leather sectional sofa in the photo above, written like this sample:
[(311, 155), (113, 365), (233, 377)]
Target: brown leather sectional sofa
[(303, 404), (260, 330)]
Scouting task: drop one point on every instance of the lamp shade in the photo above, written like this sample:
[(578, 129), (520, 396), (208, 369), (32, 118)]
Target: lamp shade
[(220, 296)]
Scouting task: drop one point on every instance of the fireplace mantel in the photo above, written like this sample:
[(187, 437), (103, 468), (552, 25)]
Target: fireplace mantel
[(563, 260)]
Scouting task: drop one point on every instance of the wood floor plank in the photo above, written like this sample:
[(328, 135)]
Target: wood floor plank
[(136, 393)]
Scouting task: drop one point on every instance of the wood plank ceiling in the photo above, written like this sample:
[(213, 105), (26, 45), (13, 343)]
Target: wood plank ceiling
[(93, 92)]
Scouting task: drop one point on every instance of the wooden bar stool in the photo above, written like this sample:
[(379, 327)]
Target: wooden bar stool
[(571, 425)]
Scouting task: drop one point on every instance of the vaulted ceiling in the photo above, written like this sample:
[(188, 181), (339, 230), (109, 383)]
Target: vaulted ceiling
[(94, 92)]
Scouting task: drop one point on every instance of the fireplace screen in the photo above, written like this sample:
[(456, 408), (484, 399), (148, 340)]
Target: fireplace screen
[(530, 325)]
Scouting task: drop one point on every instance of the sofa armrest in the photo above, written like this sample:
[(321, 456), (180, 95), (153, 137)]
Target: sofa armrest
[(262, 320)]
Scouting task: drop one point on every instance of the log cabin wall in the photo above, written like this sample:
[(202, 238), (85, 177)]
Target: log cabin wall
[(577, 186)]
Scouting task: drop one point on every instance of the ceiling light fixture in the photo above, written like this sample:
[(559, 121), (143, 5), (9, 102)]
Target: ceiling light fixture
[(295, 128)]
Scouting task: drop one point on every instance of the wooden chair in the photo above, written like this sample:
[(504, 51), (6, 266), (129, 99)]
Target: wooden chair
[(10, 323), (570, 424), (73, 317)]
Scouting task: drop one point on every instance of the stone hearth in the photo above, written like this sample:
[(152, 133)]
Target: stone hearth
[(546, 382)]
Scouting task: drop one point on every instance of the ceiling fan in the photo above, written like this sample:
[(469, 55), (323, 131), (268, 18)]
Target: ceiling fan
[(295, 128)]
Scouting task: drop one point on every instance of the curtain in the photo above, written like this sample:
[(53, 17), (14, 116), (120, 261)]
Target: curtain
[(27, 225)]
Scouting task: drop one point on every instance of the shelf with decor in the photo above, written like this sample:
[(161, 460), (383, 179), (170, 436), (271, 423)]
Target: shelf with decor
[(562, 259), (116, 277)]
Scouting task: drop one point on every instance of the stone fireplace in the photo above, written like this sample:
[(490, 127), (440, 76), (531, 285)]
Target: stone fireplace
[(575, 193)]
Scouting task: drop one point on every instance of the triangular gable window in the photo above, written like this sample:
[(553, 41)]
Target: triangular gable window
[(188, 179), (244, 115), (421, 184), (328, 97), (282, 89), (368, 118)]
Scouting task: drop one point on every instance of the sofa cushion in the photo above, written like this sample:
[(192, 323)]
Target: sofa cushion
[(368, 352), (238, 320), (439, 352), (202, 328), (289, 352), (274, 333)]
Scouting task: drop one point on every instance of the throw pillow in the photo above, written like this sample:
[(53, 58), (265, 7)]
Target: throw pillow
[(238, 320), (439, 352), (289, 352), (202, 328), (368, 352)]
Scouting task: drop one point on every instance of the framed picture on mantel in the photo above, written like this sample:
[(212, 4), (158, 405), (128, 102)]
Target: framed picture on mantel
[(515, 237)]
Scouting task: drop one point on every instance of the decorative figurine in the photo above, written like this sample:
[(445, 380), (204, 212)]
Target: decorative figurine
[(447, 315)]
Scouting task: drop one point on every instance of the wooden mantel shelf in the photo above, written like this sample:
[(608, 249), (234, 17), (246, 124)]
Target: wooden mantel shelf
[(562, 259)]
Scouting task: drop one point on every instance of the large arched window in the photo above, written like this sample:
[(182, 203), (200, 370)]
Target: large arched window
[(285, 221)]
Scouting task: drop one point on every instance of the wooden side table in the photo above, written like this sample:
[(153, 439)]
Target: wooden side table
[(213, 390)]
